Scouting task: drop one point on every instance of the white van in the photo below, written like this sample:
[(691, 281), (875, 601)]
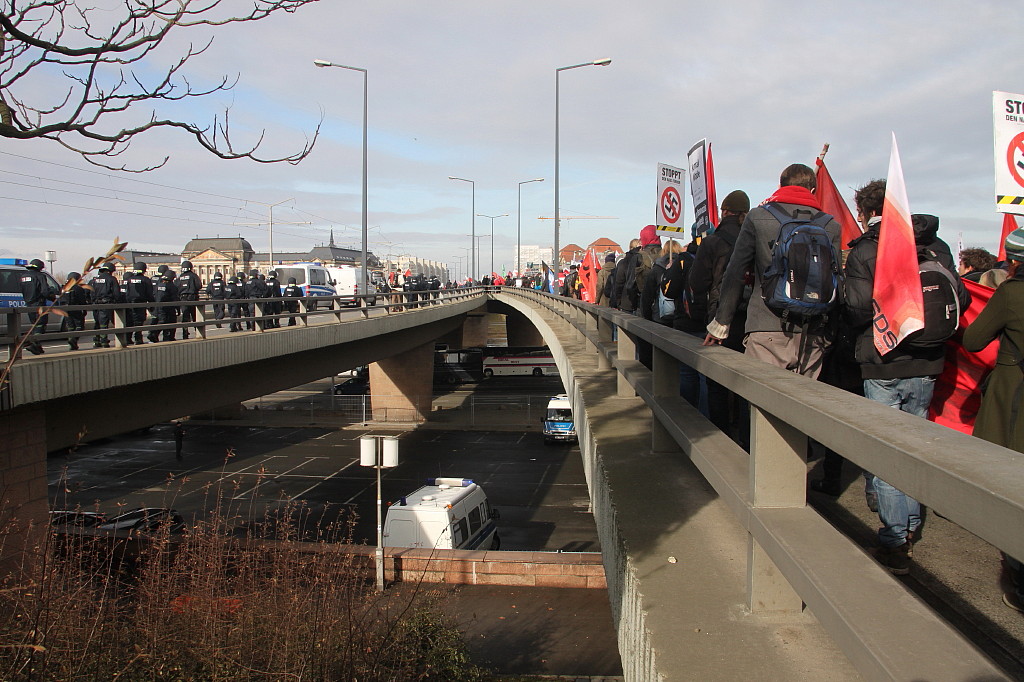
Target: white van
[(559, 424), (312, 277), (447, 513), (346, 281)]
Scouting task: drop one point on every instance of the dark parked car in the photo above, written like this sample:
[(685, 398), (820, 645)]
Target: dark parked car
[(353, 386), (146, 520), (77, 518)]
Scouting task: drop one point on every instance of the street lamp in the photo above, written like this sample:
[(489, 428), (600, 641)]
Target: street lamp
[(476, 247), (519, 224), (492, 217), (472, 264), (558, 71), (324, 63), (379, 452)]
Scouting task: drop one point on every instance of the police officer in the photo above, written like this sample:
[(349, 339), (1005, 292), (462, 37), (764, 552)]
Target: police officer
[(235, 293), (254, 288), (273, 291), (244, 309), (217, 291), (138, 288), (105, 290), (293, 290), (165, 291), (189, 285), (74, 294), (37, 292)]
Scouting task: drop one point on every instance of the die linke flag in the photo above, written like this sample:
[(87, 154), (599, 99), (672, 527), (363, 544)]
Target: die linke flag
[(1009, 225), (897, 299), (832, 203)]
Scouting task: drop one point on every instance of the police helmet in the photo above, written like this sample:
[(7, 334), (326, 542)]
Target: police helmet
[(273, 274), (168, 275), (186, 266), (291, 280), (106, 267), (162, 268), (254, 273), (233, 280), (139, 266), (74, 275), (35, 264), (218, 275)]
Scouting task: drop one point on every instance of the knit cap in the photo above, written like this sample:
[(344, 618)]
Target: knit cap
[(1014, 245)]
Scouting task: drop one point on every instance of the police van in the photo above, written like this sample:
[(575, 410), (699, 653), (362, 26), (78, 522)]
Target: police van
[(346, 282), (558, 421), (11, 270), (447, 513), (312, 277)]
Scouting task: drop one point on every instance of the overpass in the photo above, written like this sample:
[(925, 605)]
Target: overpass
[(713, 559)]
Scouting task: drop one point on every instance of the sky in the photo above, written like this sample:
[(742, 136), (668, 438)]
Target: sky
[(467, 89)]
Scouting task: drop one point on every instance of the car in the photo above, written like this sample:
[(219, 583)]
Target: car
[(77, 518), (146, 520), (354, 386)]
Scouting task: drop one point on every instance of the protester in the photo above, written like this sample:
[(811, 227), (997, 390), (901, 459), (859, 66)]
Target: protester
[(606, 279), (974, 263), (795, 346), (903, 378), (619, 299), (571, 283), (1000, 419)]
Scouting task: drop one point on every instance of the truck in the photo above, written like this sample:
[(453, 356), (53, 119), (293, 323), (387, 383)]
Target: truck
[(446, 513)]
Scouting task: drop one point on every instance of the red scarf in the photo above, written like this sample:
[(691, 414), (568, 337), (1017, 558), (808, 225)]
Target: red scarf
[(791, 194)]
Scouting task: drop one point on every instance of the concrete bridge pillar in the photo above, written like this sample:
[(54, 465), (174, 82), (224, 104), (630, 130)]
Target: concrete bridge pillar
[(521, 332), (23, 492), (474, 329), (401, 387)]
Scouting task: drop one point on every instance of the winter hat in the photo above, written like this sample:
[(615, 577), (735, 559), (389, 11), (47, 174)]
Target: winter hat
[(1014, 245), (736, 201), (649, 235), (610, 258)]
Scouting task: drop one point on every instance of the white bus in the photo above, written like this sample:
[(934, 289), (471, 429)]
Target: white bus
[(537, 364)]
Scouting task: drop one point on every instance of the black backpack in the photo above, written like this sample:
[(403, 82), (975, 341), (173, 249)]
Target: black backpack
[(802, 282), (941, 303)]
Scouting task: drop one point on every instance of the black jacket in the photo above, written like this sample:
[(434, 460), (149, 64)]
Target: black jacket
[(105, 288), (903, 362), (627, 263), (35, 289)]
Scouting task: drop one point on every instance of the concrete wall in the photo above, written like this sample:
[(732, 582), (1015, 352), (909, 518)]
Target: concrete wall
[(402, 386), (23, 486)]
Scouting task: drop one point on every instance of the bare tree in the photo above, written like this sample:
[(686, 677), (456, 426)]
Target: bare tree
[(93, 48)]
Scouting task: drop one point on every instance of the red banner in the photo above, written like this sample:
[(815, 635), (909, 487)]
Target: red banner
[(957, 390), (712, 193), (832, 202), (588, 277), (1009, 225)]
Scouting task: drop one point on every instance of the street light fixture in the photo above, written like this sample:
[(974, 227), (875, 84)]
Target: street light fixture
[(476, 250), (324, 63), (472, 264), (492, 217), (379, 452), (558, 71), (519, 224)]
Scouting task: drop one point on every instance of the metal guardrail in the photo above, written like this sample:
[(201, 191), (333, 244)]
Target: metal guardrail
[(796, 557), (311, 309)]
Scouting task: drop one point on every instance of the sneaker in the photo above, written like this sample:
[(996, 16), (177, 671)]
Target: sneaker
[(1013, 601), (872, 500), (896, 559), (833, 488)]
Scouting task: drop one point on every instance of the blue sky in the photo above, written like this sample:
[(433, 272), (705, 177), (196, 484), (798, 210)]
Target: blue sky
[(467, 89)]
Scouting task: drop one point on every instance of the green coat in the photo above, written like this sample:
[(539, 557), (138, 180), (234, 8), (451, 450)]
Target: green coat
[(1001, 417)]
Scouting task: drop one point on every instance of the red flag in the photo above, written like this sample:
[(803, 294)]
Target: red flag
[(897, 299), (957, 396), (1009, 225), (832, 202), (588, 275), (712, 195)]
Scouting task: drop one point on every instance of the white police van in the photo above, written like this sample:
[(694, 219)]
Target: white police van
[(312, 277), (447, 513), (11, 270), (558, 421)]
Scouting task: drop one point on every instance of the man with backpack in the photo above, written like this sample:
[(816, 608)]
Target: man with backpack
[(606, 279), (785, 326), (626, 264), (904, 377), (571, 284)]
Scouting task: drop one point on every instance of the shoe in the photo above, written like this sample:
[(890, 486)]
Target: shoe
[(35, 349), (872, 500), (833, 488), (73, 344), (896, 559), (913, 537), (1013, 601)]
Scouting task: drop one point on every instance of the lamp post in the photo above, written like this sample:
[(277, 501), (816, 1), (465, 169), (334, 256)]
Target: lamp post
[(558, 71), (324, 63), (379, 452), (519, 224), (492, 217), (472, 264), (476, 250)]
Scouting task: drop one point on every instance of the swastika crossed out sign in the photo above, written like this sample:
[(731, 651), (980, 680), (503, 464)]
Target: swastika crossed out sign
[(671, 206)]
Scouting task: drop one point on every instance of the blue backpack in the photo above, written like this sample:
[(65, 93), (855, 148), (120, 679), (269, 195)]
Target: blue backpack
[(802, 281)]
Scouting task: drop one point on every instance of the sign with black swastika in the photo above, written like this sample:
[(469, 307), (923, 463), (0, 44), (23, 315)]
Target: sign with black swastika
[(669, 212)]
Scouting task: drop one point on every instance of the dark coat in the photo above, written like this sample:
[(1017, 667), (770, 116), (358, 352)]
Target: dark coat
[(1001, 417), (607, 273)]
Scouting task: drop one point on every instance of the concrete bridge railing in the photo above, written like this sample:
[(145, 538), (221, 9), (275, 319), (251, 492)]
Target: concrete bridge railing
[(794, 558)]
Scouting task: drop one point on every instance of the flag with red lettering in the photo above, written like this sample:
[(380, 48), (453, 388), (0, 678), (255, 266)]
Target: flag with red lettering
[(712, 194), (1009, 225), (957, 396), (897, 299), (832, 202)]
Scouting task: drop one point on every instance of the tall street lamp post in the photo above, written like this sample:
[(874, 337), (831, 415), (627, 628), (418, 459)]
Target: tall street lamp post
[(492, 217), (472, 264), (519, 224), (558, 71), (379, 452), (324, 63)]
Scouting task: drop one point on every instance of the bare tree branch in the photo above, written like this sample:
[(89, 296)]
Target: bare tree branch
[(95, 52)]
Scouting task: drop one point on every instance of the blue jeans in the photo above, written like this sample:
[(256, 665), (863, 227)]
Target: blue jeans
[(899, 513)]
